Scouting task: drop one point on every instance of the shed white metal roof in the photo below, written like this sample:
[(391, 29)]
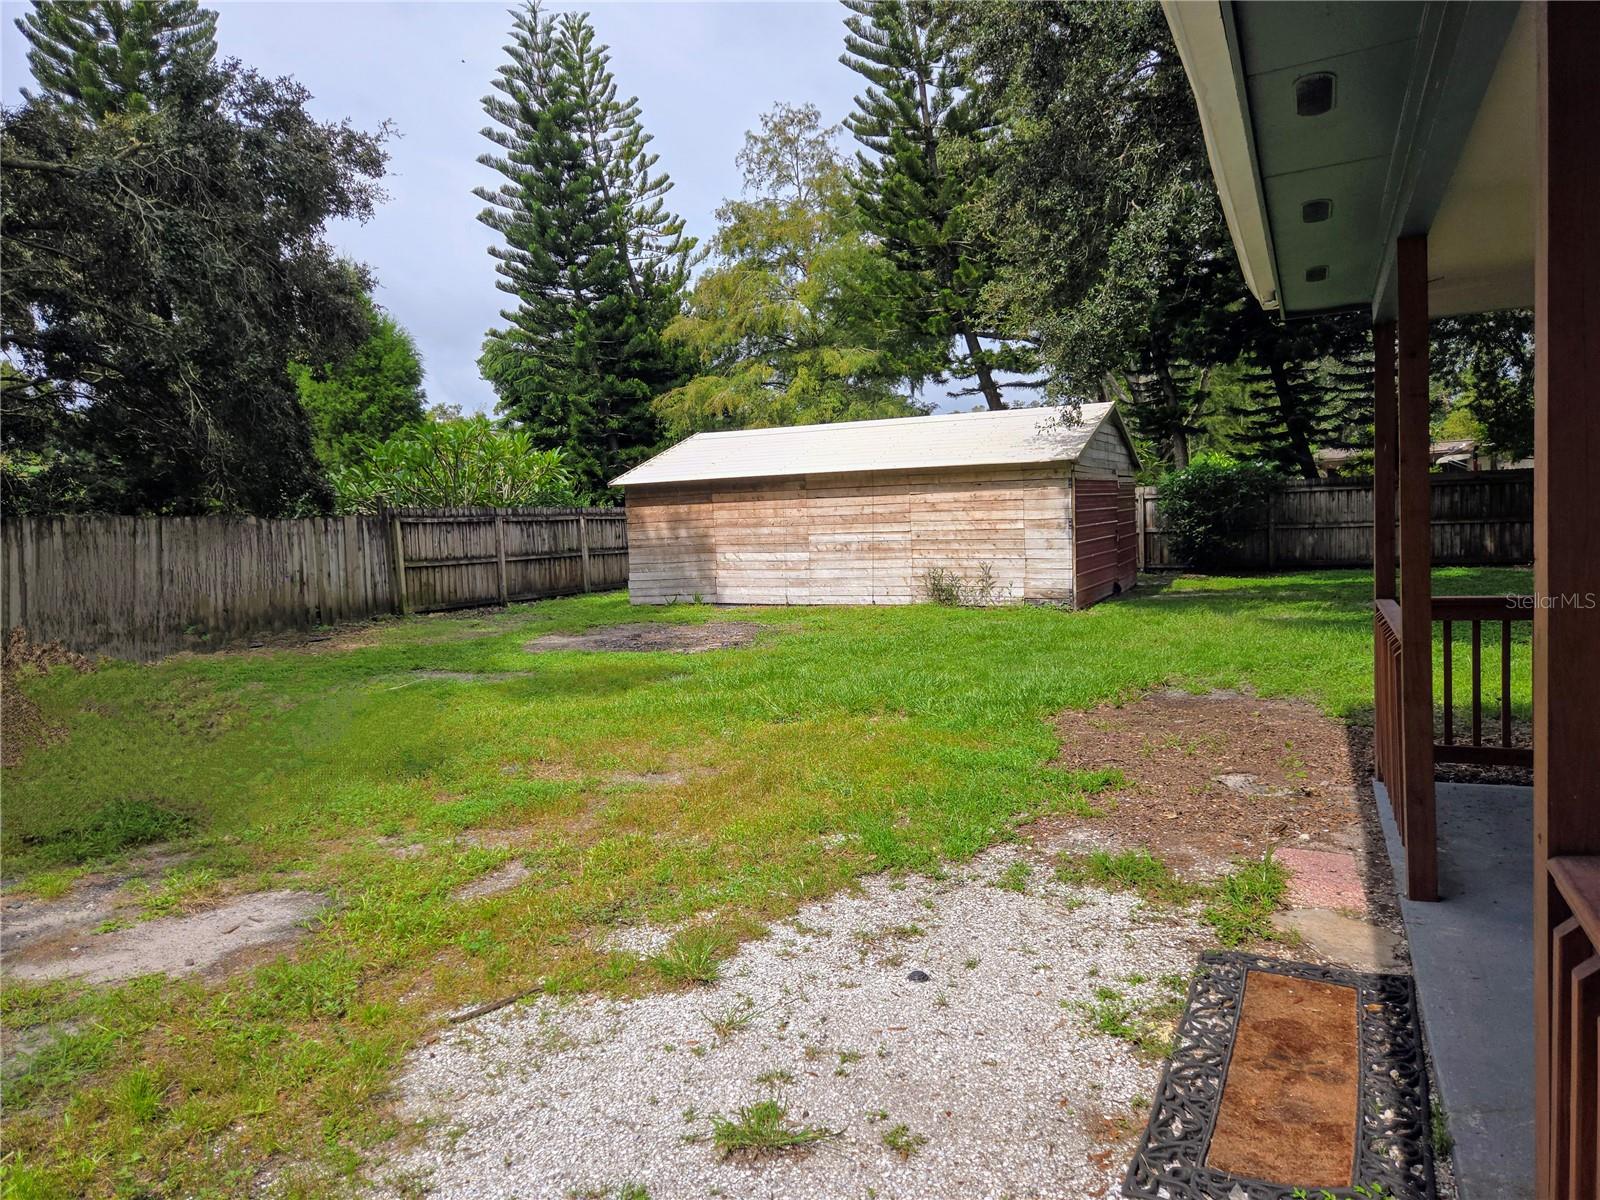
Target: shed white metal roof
[(1015, 435)]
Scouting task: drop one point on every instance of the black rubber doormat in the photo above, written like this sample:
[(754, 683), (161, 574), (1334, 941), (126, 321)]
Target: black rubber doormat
[(1290, 1081)]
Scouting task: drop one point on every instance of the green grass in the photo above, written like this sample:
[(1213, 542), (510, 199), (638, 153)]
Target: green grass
[(848, 741)]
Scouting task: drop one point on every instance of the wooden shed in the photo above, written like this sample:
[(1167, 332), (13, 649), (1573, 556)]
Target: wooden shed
[(862, 512)]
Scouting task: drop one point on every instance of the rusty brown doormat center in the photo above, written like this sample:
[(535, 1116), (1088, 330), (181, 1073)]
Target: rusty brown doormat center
[(1290, 1079)]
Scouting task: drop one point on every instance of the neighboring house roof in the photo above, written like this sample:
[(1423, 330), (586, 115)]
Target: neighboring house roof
[(1014, 435)]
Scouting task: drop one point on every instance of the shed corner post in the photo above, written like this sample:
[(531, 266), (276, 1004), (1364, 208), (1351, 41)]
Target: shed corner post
[(1566, 619)]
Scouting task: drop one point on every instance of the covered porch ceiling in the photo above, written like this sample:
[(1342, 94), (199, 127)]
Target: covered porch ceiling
[(1336, 128)]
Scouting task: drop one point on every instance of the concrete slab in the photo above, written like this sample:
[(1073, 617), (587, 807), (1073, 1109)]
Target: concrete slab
[(1472, 953), (1343, 939)]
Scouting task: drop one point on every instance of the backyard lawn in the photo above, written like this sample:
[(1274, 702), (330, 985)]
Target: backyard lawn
[(389, 769)]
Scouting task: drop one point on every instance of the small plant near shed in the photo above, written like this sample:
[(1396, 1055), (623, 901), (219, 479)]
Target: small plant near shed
[(944, 586)]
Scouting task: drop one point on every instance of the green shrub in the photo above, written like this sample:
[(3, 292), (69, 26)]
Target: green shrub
[(446, 463), (1211, 505)]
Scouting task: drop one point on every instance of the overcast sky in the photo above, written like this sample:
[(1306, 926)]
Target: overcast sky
[(703, 72)]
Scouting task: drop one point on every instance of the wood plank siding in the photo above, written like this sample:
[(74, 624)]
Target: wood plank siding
[(867, 537), (863, 538)]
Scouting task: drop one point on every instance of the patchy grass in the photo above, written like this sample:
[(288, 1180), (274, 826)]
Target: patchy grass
[(1147, 1021), (1015, 877), (692, 956), (847, 741), (1238, 906), (762, 1127)]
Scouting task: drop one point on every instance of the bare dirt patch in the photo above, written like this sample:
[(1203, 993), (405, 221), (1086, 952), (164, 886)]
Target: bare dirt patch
[(22, 725), (501, 880), (1218, 776), (675, 639), (210, 942)]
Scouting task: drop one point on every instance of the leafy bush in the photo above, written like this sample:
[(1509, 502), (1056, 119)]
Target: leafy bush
[(1211, 505), (449, 463)]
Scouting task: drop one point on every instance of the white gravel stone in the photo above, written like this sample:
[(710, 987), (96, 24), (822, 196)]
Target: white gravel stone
[(992, 1062)]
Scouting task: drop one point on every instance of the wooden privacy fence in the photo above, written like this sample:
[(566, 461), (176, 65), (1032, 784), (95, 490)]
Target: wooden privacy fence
[(140, 587), (459, 557), (1480, 518)]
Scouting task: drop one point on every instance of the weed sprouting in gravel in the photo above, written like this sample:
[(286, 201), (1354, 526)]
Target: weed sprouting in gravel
[(903, 1141), (1015, 877), (691, 957), (762, 1127)]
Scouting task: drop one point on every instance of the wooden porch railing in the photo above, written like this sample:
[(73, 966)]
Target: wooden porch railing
[(1506, 611), (1389, 700), (1573, 1021), (1387, 744)]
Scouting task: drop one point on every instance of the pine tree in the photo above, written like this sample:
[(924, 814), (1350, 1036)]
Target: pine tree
[(1309, 388), (595, 261), (923, 128), (114, 56)]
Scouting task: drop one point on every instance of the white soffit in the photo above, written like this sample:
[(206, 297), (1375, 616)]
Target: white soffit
[(1480, 246), (1206, 45)]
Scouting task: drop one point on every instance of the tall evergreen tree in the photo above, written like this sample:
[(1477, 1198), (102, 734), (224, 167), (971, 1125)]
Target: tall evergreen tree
[(114, 56), (596, 263), (794, 323), (923, 128), (366, 397), (1309, 388)]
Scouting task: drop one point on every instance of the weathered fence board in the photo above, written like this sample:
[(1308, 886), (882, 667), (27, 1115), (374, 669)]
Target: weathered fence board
[(140, 587), (1480, 518)]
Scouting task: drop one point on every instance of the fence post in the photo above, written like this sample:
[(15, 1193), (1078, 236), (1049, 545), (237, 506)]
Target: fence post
[(397, 551), (583, 546), (500, 552), (1138, 529), (1272, 529)]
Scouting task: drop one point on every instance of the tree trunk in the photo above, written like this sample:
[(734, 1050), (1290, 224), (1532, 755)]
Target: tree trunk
[(1177, 430), (985, 374), (1299, 448)]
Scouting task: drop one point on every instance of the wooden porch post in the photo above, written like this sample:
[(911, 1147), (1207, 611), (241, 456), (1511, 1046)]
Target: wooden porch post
[(1566, 580), (1383, 461), (1416, 584)]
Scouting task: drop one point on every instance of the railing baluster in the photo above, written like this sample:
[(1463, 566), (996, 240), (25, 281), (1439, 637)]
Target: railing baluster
[(1449, 689), (1453, 745), (1477, 682), (1505, 683)]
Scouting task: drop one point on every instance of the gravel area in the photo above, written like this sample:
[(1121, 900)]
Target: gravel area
[(988, 1056)]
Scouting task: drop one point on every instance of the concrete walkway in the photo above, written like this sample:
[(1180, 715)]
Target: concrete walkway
[(1472, 953)]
